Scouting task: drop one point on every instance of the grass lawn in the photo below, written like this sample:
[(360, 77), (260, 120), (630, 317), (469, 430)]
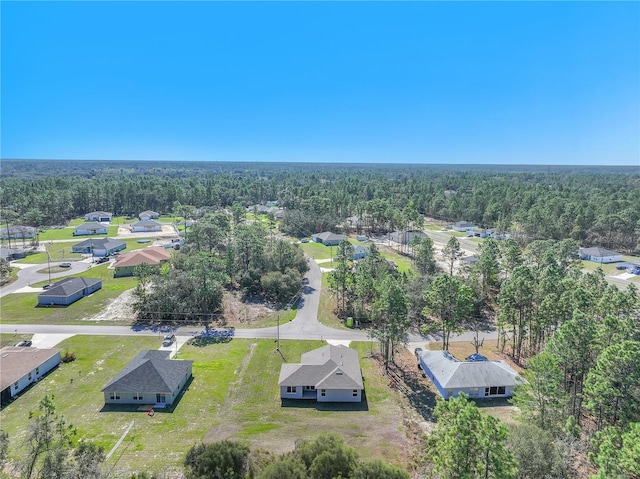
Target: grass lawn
[(318, 250), (403, 263), (234, 394), (67, 233), (327, 305), (12, 339), (20, 308)]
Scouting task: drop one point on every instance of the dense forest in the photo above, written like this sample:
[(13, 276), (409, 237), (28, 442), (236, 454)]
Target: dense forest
[(593, 206)]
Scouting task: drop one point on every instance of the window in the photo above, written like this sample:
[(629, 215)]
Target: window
[(15, 385), (501, 390), (29, 377), (114, 395), (291, 389), (323, 392), (355, 393), (309, 388), (37, 371), (137, 397), (494, 391)]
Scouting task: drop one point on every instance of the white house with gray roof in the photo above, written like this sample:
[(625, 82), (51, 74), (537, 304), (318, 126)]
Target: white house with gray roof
[(99, 247), (600, 255), (327, 374), (477, 379), (23, 366), (150, 378), (68, 290), (146, 226), (328, 238), (92, 228), (99, 216)]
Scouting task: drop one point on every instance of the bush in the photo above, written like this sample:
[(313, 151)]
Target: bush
[(68, 357)]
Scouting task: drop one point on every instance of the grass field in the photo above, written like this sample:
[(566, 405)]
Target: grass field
[(12, 339), (318, 250), (21, 307), (403, 263), (234, 394), (327, 304), (67, 233)]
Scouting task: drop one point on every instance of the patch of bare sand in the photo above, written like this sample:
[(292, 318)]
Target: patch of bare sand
[(248, 312), (119, 309)]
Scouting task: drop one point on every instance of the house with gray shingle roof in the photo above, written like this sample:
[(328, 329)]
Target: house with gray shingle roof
[(149, 215), (600, 255), (145, 226), (150, 378), (406, 237), (68, 290), (327, 374), (328, 238), (99, 247), (90, 229), (477, 379), (99, 216)]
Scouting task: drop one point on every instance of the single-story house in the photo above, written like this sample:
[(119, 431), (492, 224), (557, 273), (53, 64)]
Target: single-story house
[(153, 256), (327, 374), (353, 221), (477, 379), (278, 213), (362, 238), (10, 254), (258, 209), (99, 247), (359, 252), (99, 216), (469, 260), (405, 237), (600, 255), (328, 238), (23, 366), (463, 226), (146, 226), (149, 215), (18, 232), (68, 290), (90, 229), (150, 378)]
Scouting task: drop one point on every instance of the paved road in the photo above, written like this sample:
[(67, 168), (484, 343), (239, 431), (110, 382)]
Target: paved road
[(30, 275)]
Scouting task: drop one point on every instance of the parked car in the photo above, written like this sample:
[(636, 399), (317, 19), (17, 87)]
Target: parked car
[(25, 343), (169, 339), (65, 265), (47, 286), (103, 260), (304, 240)]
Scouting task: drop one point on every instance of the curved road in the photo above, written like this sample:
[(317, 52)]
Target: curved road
[(29, 275)]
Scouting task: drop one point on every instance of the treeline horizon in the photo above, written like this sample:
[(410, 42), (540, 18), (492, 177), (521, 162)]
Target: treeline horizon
[(548, 202)]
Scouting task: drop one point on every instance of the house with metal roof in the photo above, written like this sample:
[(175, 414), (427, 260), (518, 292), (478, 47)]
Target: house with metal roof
[(599, 255), (476, 378), (90, 229), (23, 366), (99, 216), (99, 247), (18, 232), (463, 226), (152, 256), (150, 378), (146, 226), (405, 237), (327, 374), (68, 290), (328, 238)]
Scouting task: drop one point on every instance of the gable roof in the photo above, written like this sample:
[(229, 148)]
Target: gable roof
[(328, 367), (69, 286), (99, 213), (599, 252), (150, 371), (463, 224), (16, 362), (106, 243), (153, 255), (451, 373), (149, 213)]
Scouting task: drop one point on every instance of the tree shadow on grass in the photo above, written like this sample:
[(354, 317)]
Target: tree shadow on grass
[(410, 384), (327, 406), (203, 341)]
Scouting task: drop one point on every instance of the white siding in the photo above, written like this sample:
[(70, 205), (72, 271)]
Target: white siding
[(36, 374), (291, 395), (339, 395)]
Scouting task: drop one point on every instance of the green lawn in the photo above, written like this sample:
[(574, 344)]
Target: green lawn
[(228, 398), (67, 233), (22, 307), (327, 304), (403, 263), (318, 250), (12, 339)]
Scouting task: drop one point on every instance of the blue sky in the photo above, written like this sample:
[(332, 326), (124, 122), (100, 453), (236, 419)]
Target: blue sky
[(381, 82)]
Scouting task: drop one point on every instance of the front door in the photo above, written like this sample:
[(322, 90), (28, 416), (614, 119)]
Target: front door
[(161, 399)]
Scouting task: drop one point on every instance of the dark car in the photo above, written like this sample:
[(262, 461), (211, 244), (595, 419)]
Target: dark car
[(103, 260), (47, 286), (25, 343), (65, 265)]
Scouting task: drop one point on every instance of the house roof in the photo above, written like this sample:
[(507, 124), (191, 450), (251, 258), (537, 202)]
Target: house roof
[(146, 223), (149, 213), (18, 230), (357, 249), (470, 259), (328, 367), (99, 213), (329, 236), (153, 255), (90, 225), (600, 252), (150, 371), (463, 224), (106, 243), (451, 373), (69, 286), (16, 362)]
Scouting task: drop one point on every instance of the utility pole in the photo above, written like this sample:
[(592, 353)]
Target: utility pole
[(278, 334), (49, 264)]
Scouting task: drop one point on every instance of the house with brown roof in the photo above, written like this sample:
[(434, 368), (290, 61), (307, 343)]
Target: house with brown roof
[(327, 374), (152, 256), (22, 366)]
